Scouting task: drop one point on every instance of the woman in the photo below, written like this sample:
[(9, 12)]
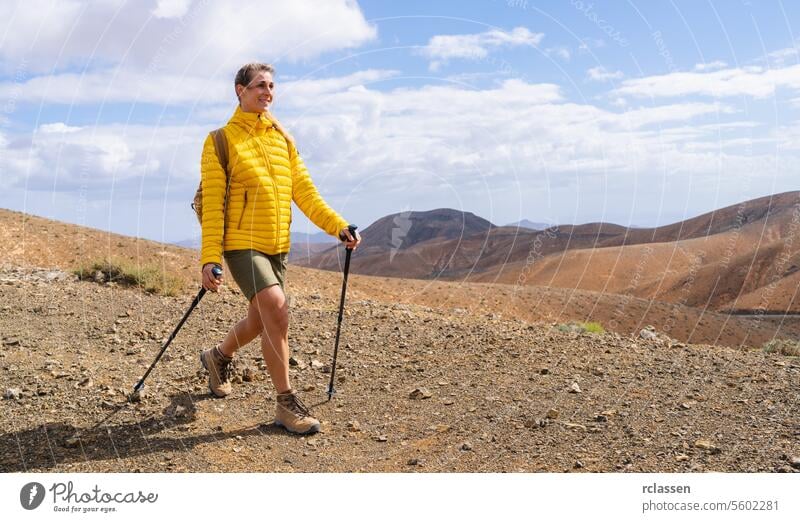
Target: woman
[(266, 175)]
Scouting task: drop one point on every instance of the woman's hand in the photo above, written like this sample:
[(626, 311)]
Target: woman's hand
[(209, 281), (350, 241)]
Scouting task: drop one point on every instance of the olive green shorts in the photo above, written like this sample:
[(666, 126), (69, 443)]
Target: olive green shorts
[(254, 271)]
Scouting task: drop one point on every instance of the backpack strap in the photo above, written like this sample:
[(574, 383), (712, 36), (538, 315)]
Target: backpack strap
[(221, 148)]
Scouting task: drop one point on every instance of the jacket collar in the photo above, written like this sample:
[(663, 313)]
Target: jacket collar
[(249, 120)]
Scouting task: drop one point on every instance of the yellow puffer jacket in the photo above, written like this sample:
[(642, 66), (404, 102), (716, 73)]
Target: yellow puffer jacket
[(267, 174)]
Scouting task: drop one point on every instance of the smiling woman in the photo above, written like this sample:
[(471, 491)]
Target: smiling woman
[(254, 87), (246, 216)]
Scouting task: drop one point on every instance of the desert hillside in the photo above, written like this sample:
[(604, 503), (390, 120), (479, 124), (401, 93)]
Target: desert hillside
[(741, 257), (752, 266), (44, 243)]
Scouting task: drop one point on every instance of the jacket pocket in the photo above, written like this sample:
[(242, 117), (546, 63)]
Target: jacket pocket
[(244, 207)]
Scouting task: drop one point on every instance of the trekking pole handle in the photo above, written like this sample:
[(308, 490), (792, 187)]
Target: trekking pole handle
[(216, 271), (352, 229)]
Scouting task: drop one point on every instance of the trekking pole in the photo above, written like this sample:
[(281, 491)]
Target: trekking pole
[(217, 271), (331, 390)]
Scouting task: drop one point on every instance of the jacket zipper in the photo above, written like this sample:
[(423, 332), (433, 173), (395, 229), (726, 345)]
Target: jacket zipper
[(274, 191), (241, 216)]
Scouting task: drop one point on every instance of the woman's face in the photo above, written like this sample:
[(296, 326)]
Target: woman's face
[(256, 96)]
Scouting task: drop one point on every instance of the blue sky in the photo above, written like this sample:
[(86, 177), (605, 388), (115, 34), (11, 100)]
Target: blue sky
[(639, 113)]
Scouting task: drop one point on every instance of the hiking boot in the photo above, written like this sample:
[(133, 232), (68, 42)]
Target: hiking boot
[(293, 415), (219, 371)]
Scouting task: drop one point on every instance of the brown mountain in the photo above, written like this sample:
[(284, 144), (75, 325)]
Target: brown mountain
[(739, 257), (392, 246)]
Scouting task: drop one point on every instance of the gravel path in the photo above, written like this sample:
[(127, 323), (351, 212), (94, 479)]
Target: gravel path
[(420, 389)]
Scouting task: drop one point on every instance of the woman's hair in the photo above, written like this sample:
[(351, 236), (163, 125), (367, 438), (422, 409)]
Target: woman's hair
[(244, 76), (246, 73)]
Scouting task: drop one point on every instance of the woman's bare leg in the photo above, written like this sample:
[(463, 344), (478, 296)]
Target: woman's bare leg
[(242, 333), (268, 316), (270, 311)]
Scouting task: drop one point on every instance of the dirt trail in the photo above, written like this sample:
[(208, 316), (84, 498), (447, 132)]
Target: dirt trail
[(504, 395)]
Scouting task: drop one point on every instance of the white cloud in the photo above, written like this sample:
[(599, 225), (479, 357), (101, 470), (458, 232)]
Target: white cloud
[(781, 56), (459, 134), (297, 92), (560, 52), (442, 48), (57, 128), (173, 37), (171, 8), (109, 86), (758, 82), (679, 112), (710, 66), (619, 101), (469, 78), (588, 43), (600, 74), (63, 158), (409, 142), (345, 127), (360, 127)]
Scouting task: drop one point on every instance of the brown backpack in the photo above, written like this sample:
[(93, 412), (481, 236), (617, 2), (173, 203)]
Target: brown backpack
[(221, 148)]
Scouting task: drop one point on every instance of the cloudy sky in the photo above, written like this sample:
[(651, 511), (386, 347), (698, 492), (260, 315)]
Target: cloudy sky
[(638, 113)]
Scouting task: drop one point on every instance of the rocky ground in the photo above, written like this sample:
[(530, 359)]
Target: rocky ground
[(420, 389)]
